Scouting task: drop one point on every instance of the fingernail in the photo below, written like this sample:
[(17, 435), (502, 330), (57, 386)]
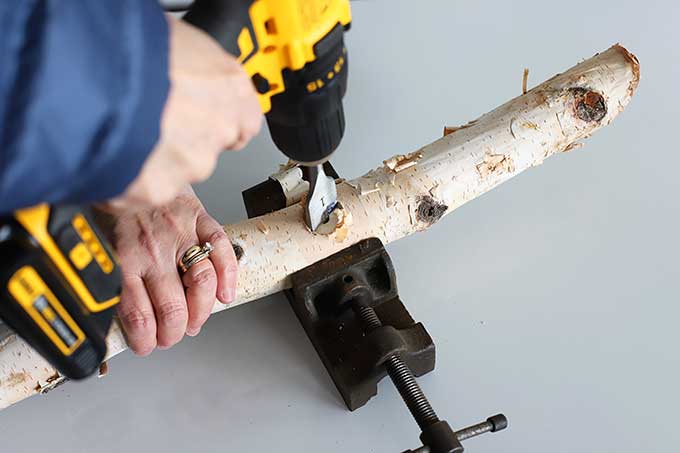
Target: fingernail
[(163, 348), (193, 332)]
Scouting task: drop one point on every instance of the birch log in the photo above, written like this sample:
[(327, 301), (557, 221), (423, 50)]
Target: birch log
[(406, 194)]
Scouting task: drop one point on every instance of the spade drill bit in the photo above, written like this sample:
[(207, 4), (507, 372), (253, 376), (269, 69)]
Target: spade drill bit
[(321, 199)]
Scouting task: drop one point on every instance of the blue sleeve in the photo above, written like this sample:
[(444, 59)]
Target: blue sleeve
[(82, 89)]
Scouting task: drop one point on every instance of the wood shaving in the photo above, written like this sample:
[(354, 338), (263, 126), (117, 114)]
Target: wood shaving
[(264, 229), (342, 227), (51, 383), (525, 79), (571, 146), (364, 187), (363, 190), (103, 369), (451, 129), (401, 162), (288, 165)]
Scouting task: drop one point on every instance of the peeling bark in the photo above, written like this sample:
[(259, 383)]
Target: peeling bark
[(405, 195)]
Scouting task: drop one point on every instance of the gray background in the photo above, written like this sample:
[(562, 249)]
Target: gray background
[(553, 299)]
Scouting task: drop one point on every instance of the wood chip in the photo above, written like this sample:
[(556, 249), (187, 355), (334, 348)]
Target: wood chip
[(264, 229), (401, 162), (103, 369), (451, 129)]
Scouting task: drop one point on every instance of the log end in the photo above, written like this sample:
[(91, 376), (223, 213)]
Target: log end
[(634, 66)]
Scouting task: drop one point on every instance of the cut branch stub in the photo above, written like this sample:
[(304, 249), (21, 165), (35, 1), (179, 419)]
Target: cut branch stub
[(429, 210), (588, 104)]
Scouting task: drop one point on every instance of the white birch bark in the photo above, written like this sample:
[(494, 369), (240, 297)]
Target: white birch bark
[(404, 195)]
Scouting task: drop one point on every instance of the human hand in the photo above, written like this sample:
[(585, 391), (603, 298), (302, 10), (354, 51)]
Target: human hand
[(158, 305), (211, 106)]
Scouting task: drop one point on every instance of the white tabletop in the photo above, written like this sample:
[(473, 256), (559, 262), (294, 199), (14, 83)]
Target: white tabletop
[(553, 299)]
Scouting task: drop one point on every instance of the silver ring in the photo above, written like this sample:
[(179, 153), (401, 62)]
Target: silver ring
[(195, 254)]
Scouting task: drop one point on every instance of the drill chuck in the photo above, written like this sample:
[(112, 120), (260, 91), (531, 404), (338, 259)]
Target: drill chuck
[(307, 121)]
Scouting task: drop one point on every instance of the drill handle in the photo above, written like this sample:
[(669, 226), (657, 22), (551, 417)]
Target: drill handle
[(223, 20)]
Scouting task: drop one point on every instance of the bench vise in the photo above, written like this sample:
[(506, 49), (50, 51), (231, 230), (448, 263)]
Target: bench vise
[(349, 306)]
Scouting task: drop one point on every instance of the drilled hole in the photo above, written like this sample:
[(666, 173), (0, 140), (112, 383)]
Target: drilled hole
[(348, 279)]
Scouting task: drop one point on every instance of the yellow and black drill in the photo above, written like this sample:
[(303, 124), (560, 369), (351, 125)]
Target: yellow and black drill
[(295, 53), (59, 278), (60, 282)]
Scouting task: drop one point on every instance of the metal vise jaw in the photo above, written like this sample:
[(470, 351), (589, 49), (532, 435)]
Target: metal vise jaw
[(322, 297)]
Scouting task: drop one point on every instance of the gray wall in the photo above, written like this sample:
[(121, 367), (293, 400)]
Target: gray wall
[(553, 299)]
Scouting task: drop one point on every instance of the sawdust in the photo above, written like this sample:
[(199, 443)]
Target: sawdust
[(337, 226)]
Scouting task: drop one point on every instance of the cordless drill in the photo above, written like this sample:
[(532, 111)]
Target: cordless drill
[(59, 284), (295, 54)]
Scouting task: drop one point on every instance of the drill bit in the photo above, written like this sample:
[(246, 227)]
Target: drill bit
[(321, 199)]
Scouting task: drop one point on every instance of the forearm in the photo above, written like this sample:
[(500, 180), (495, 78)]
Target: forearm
[(82, 89)]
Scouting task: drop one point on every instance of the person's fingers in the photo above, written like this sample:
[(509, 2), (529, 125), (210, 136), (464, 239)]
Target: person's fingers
[(201, 285), (250, 123), (137, 315), (222, 256), (245, 137), (169, 303)]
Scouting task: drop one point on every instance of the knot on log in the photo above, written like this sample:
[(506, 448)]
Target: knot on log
[(589, 105), (430, 210), (238, 251)]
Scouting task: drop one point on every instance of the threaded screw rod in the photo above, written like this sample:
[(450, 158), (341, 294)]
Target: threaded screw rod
[(400, 374)]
